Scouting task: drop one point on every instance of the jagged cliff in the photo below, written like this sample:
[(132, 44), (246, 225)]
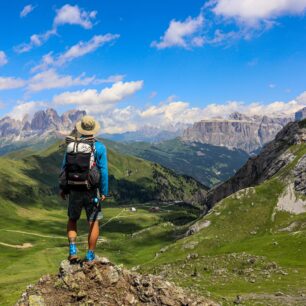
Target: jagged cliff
[(238, 131), (103, 283), (43, 127), (274, 156)]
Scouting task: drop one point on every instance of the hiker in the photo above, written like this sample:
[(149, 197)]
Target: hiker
[(84, 180)]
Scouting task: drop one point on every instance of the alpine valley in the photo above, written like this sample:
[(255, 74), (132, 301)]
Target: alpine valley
[(242, 241)]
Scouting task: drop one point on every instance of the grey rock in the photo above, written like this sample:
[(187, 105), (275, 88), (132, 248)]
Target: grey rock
[(36, 300), (238, 131), (300, 176), (274, 157)]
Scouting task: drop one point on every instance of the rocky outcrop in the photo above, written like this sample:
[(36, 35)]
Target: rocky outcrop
[(103, 283), (238, 131), (300, 176), (272, 158)]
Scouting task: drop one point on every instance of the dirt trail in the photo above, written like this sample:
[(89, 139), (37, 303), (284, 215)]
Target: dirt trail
[(18, 246)]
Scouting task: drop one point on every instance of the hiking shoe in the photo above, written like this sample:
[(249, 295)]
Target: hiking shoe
[(72, 252), (90, 255)]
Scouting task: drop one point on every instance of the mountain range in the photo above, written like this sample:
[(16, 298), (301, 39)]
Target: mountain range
[(247, 133)]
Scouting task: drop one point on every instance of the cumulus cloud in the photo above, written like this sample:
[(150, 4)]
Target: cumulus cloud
[(26, 10), (253, 11), (50, 79), (99, 102), (185, 34), (67, 14), (23, 109), (249, 18), (11, 83), (3, 58), (72, 14)]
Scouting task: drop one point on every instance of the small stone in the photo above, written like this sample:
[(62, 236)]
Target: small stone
[(81, 294), (238, 300), (130, 299), (167, 301), (36, 300)]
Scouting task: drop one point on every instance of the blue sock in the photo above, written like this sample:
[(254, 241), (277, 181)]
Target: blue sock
[(90, 255), (72, 249)]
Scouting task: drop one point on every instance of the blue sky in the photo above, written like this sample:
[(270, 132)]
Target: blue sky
[(131, 63)]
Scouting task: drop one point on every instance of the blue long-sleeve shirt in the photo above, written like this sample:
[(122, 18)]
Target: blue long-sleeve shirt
[(101, 162)]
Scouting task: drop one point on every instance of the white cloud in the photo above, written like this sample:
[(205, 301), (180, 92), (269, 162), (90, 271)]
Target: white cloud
[(49, 79), (11, 83), (165, 115), (36, 40), (80, 49), (99, 102), (83, 48), (253, 11), (185, 34), (26, 10), (3, 58), (25, 108), (250, 18), (69, 14)]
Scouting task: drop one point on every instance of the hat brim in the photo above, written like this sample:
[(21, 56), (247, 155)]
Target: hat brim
[(79, 128)]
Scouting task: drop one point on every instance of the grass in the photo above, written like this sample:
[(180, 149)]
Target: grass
[(21, 267), (243, 224), (243, 251)]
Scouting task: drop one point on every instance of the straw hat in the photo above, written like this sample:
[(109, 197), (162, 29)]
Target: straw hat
[(87, 126)]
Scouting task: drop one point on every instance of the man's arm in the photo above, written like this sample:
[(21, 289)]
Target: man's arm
[(103, 168)]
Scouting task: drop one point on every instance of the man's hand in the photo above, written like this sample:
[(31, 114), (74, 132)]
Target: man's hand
[(103, 197), (63, 195)]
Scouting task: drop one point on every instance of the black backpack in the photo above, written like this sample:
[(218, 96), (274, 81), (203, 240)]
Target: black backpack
[(79, 174)]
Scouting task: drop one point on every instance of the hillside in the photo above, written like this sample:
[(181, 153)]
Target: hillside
[(131, 179), (252, 244), (33, 222), (206, 163)]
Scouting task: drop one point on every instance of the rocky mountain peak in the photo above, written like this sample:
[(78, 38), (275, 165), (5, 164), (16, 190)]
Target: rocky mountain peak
[(239, 131), (273, 157), (239, 116), (103, 283)]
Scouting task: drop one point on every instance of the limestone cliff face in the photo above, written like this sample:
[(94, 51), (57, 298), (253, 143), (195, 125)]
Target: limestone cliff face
[(239, 131), (274, 156)]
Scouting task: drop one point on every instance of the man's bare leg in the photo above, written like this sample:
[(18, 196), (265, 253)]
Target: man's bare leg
[(72, 235), (93, 235)]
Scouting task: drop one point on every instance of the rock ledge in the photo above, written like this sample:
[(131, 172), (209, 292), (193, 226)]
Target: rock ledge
[(103, 283)]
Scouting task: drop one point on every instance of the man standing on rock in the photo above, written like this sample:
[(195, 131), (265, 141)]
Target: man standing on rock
[(84, 179)]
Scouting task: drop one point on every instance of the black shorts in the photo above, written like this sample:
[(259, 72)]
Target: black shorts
[(80, 199)]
